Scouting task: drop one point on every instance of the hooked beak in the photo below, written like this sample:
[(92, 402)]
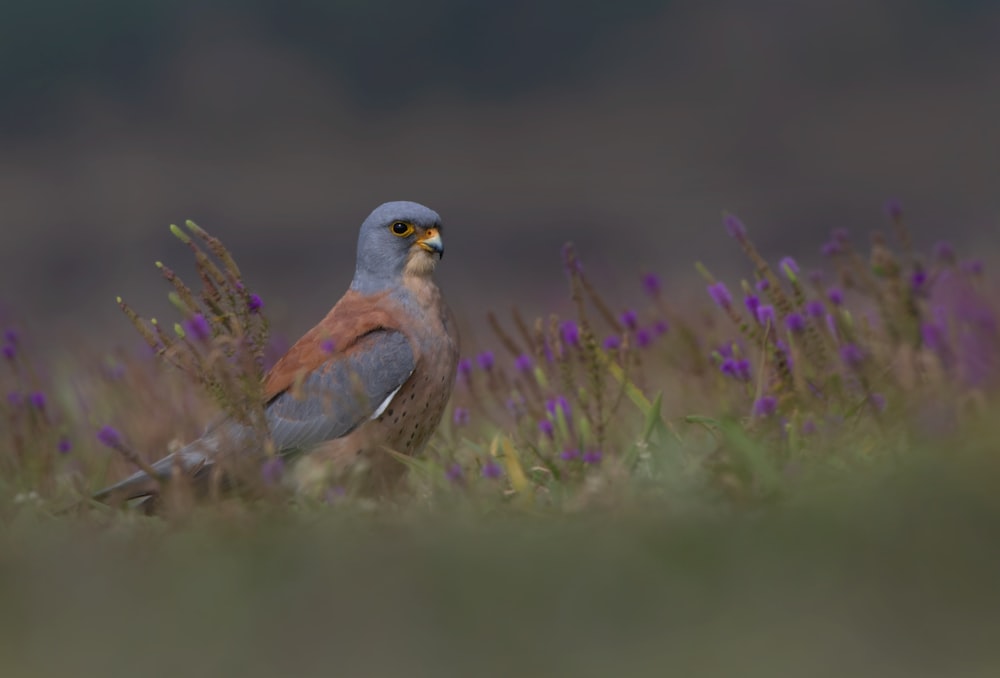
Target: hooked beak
[(431, 241)]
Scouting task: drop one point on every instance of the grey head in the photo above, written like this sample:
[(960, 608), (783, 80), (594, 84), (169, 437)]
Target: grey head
[(397, 239)]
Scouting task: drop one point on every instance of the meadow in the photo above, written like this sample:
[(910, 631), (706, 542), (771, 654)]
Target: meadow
[(797, 476)]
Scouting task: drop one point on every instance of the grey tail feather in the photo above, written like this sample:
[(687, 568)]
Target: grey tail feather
[(192, 460)]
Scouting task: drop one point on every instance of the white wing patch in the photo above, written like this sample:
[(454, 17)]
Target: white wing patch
[(385, 403)]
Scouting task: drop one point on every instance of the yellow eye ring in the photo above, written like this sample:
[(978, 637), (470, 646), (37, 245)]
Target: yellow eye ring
[(401, 228)]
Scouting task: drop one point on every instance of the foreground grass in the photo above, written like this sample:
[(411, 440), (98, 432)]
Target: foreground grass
[(799, 482)]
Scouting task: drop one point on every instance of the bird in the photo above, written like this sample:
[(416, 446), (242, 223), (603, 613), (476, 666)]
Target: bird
[(372, 378)]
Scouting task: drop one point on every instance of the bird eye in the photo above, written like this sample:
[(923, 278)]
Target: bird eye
[(401, 228)]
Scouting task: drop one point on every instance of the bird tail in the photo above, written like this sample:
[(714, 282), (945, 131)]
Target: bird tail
[(192, 461)]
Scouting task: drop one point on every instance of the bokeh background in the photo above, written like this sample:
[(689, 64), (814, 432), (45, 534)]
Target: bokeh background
[(627, 127)]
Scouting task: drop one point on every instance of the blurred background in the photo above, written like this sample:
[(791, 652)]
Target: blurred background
[(627, 127)]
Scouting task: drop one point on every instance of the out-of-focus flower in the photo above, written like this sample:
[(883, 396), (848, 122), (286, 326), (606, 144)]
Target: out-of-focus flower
[(197, 328), (547, 429), (944, 252), (894, 209), (272, 470), (651, 284), (592, 457), (64, 445), (737, 369), (9, 351), (830, 249), (789, 267), (554, 405), (461, 416), (852, 355), (37, 400), (835, 295), (720, 295), (255, 303), (643, 338), (752, 302), (454, 473), (569, 455), (765, 406), (762, 285), (630, 319), (877, 401), (765, 314), (486, 360), (815, 309), (15, 399), (660, 328), (840, 235), (570, 333), (571, 262), (465, 368), (109, 436), (973, 266), (612, 343), (734, 227), (795, 323), (808, 427), (523, 363), (492, 470)]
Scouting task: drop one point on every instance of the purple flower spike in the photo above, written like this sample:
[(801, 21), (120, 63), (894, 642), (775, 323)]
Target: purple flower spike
[(752, 302), (737, 369), (612, 343), (933, 337), (461, 416), (592, 457), (835, 295), (546, 427), (9, 351), (735, 227), (789, 267), (660, 328), (254, 303), (10, 336), (630, 319), (918, 281), (492, 470), (852, 355), (815, 309), (830, 249), (197, 328), (765, 314), (109, 436), (795, 323), (894, 209), (651, 284), (465, 368), (720, 295), (553, 405), (486, 360), (570, 333), (15, 399), (643, 338), (37, 400), (571, 261), (64, 445), (569, 455), (523, 363), (765, 406), (272, 470), (973, 266), (762, 285), (454, 473)]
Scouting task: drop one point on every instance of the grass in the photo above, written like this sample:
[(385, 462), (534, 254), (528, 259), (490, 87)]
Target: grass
[(797, 479)]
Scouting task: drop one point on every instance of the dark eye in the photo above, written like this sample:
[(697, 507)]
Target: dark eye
[(401, 228)]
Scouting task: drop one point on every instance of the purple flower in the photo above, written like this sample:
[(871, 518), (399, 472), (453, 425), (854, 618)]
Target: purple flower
[(554, 405), (454, 473), (933, 337), (15, 399), (809, 427), (660, 328), (720, 295), (737, 369), (734, 227), (795, 323), (569, 455), (64, 445), (765, 314), (752, 302), (835, 295), (197, 328), (651, 284), (973, 266), (852, 355), (630, 319), (894, 209), (109, 436), (523, 363), (765, 406), (492, 470), (571, 262), (877, 401), (830, 249), (570, 333), (272, 470), (9, 351), (840, 235), (328, 346), (465, 368), (815, 309), (37, 400), (254, 303), (831, 324), (762, 285), (592, 457), (789, 267), (918, 281), (816, 277), (10, 336), (486, 360), (546, 427), (612, 343), (944, 252), (461, 416), (643, 338)]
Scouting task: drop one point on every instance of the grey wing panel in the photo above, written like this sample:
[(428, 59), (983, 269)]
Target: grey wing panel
[(335, 398)]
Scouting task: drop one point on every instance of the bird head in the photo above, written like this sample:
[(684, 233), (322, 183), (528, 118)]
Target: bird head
[(397, 239)]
